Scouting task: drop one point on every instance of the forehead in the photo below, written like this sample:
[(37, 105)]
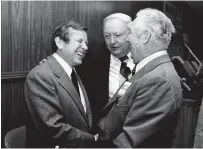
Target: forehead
[(137, 23), (78, 34), (114, 25)]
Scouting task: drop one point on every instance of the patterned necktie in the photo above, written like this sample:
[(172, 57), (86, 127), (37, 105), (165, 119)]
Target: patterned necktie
[(124, 69), (74, 80)]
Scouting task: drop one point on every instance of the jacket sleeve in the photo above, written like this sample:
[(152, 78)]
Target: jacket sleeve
[(151, 105), (43, 104)]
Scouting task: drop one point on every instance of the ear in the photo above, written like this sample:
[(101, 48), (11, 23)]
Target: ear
[(146, 35), (129, 31), (59, 42)]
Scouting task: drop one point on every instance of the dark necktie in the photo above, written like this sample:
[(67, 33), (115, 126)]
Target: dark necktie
[(124, 69), (74, 80)]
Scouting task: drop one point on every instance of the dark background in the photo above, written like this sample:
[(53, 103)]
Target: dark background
[(26, 28)]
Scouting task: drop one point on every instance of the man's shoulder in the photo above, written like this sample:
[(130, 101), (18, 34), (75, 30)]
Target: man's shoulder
[(164, 69), (163, 73), (43, 69)]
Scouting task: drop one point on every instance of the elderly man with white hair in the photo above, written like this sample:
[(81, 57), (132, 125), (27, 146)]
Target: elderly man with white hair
[(116, 31), (116, 62), (144, 114)]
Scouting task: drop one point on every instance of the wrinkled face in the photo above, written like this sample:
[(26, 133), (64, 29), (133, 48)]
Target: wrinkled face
[(76, 48), (115, 35), (137, 50)]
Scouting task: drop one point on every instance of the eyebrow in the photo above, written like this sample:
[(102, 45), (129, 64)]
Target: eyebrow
[(118, 32)]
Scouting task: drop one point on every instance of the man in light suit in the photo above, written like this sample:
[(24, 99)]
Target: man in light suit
[(59, 110), (143, 113)]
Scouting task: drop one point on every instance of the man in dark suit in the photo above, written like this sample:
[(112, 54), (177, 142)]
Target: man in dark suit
[(59, 110), (105, 71), (143, 112)]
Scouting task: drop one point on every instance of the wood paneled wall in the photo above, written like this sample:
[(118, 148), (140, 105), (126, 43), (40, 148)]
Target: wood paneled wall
[(187, 122), (26, 29)]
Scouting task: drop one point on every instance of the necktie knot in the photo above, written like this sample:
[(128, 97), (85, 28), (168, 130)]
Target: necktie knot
[(124, 58), (124, 69)]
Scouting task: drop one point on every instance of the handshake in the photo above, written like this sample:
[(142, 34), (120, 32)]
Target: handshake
[(96, 137), (103, 143)]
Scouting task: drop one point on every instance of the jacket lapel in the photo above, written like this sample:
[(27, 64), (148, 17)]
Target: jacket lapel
[(107, 68), (116, 96), (146, 69), (66, 83), (150, 66), (107, 82), (113, 99), (88, 109)]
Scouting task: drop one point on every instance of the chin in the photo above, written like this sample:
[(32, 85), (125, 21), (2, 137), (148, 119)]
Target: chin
[(117, 54), (78, 62)]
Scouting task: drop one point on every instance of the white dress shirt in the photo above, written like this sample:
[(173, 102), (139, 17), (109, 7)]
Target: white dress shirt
[(146, 60), (68, 70), (115, 78)]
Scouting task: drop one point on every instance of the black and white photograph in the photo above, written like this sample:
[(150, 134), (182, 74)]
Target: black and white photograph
[(101, 74)]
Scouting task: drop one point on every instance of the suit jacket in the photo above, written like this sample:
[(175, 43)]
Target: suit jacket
[(56, 115), (146, 115), (95, 76)]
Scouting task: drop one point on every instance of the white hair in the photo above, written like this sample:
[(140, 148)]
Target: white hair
[(157, 23), (127, 19)]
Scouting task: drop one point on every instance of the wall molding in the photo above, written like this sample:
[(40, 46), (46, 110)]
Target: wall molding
[(13, 77)]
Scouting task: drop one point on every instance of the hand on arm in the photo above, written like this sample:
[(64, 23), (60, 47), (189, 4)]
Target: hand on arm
[(43, 60)]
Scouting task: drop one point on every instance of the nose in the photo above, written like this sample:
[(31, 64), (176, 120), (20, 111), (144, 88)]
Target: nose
[(84, 46), (112, 40)]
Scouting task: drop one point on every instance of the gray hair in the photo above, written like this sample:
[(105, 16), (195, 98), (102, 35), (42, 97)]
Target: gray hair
[(158, 23), (127, 19)]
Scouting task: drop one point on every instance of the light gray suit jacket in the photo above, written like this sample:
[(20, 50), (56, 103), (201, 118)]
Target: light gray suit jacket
[(56, 115), (146, 115)]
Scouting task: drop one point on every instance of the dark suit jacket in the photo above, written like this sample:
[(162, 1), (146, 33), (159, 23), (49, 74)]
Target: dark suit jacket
[(56, 115), (95, 75), (146, 115)]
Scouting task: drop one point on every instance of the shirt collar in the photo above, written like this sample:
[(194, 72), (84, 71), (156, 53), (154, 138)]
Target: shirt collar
[(64, 64), (146, 60), (129, 55), (116, 60)]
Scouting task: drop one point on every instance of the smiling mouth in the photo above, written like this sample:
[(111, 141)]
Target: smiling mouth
[(81, 54), (114, 48)]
